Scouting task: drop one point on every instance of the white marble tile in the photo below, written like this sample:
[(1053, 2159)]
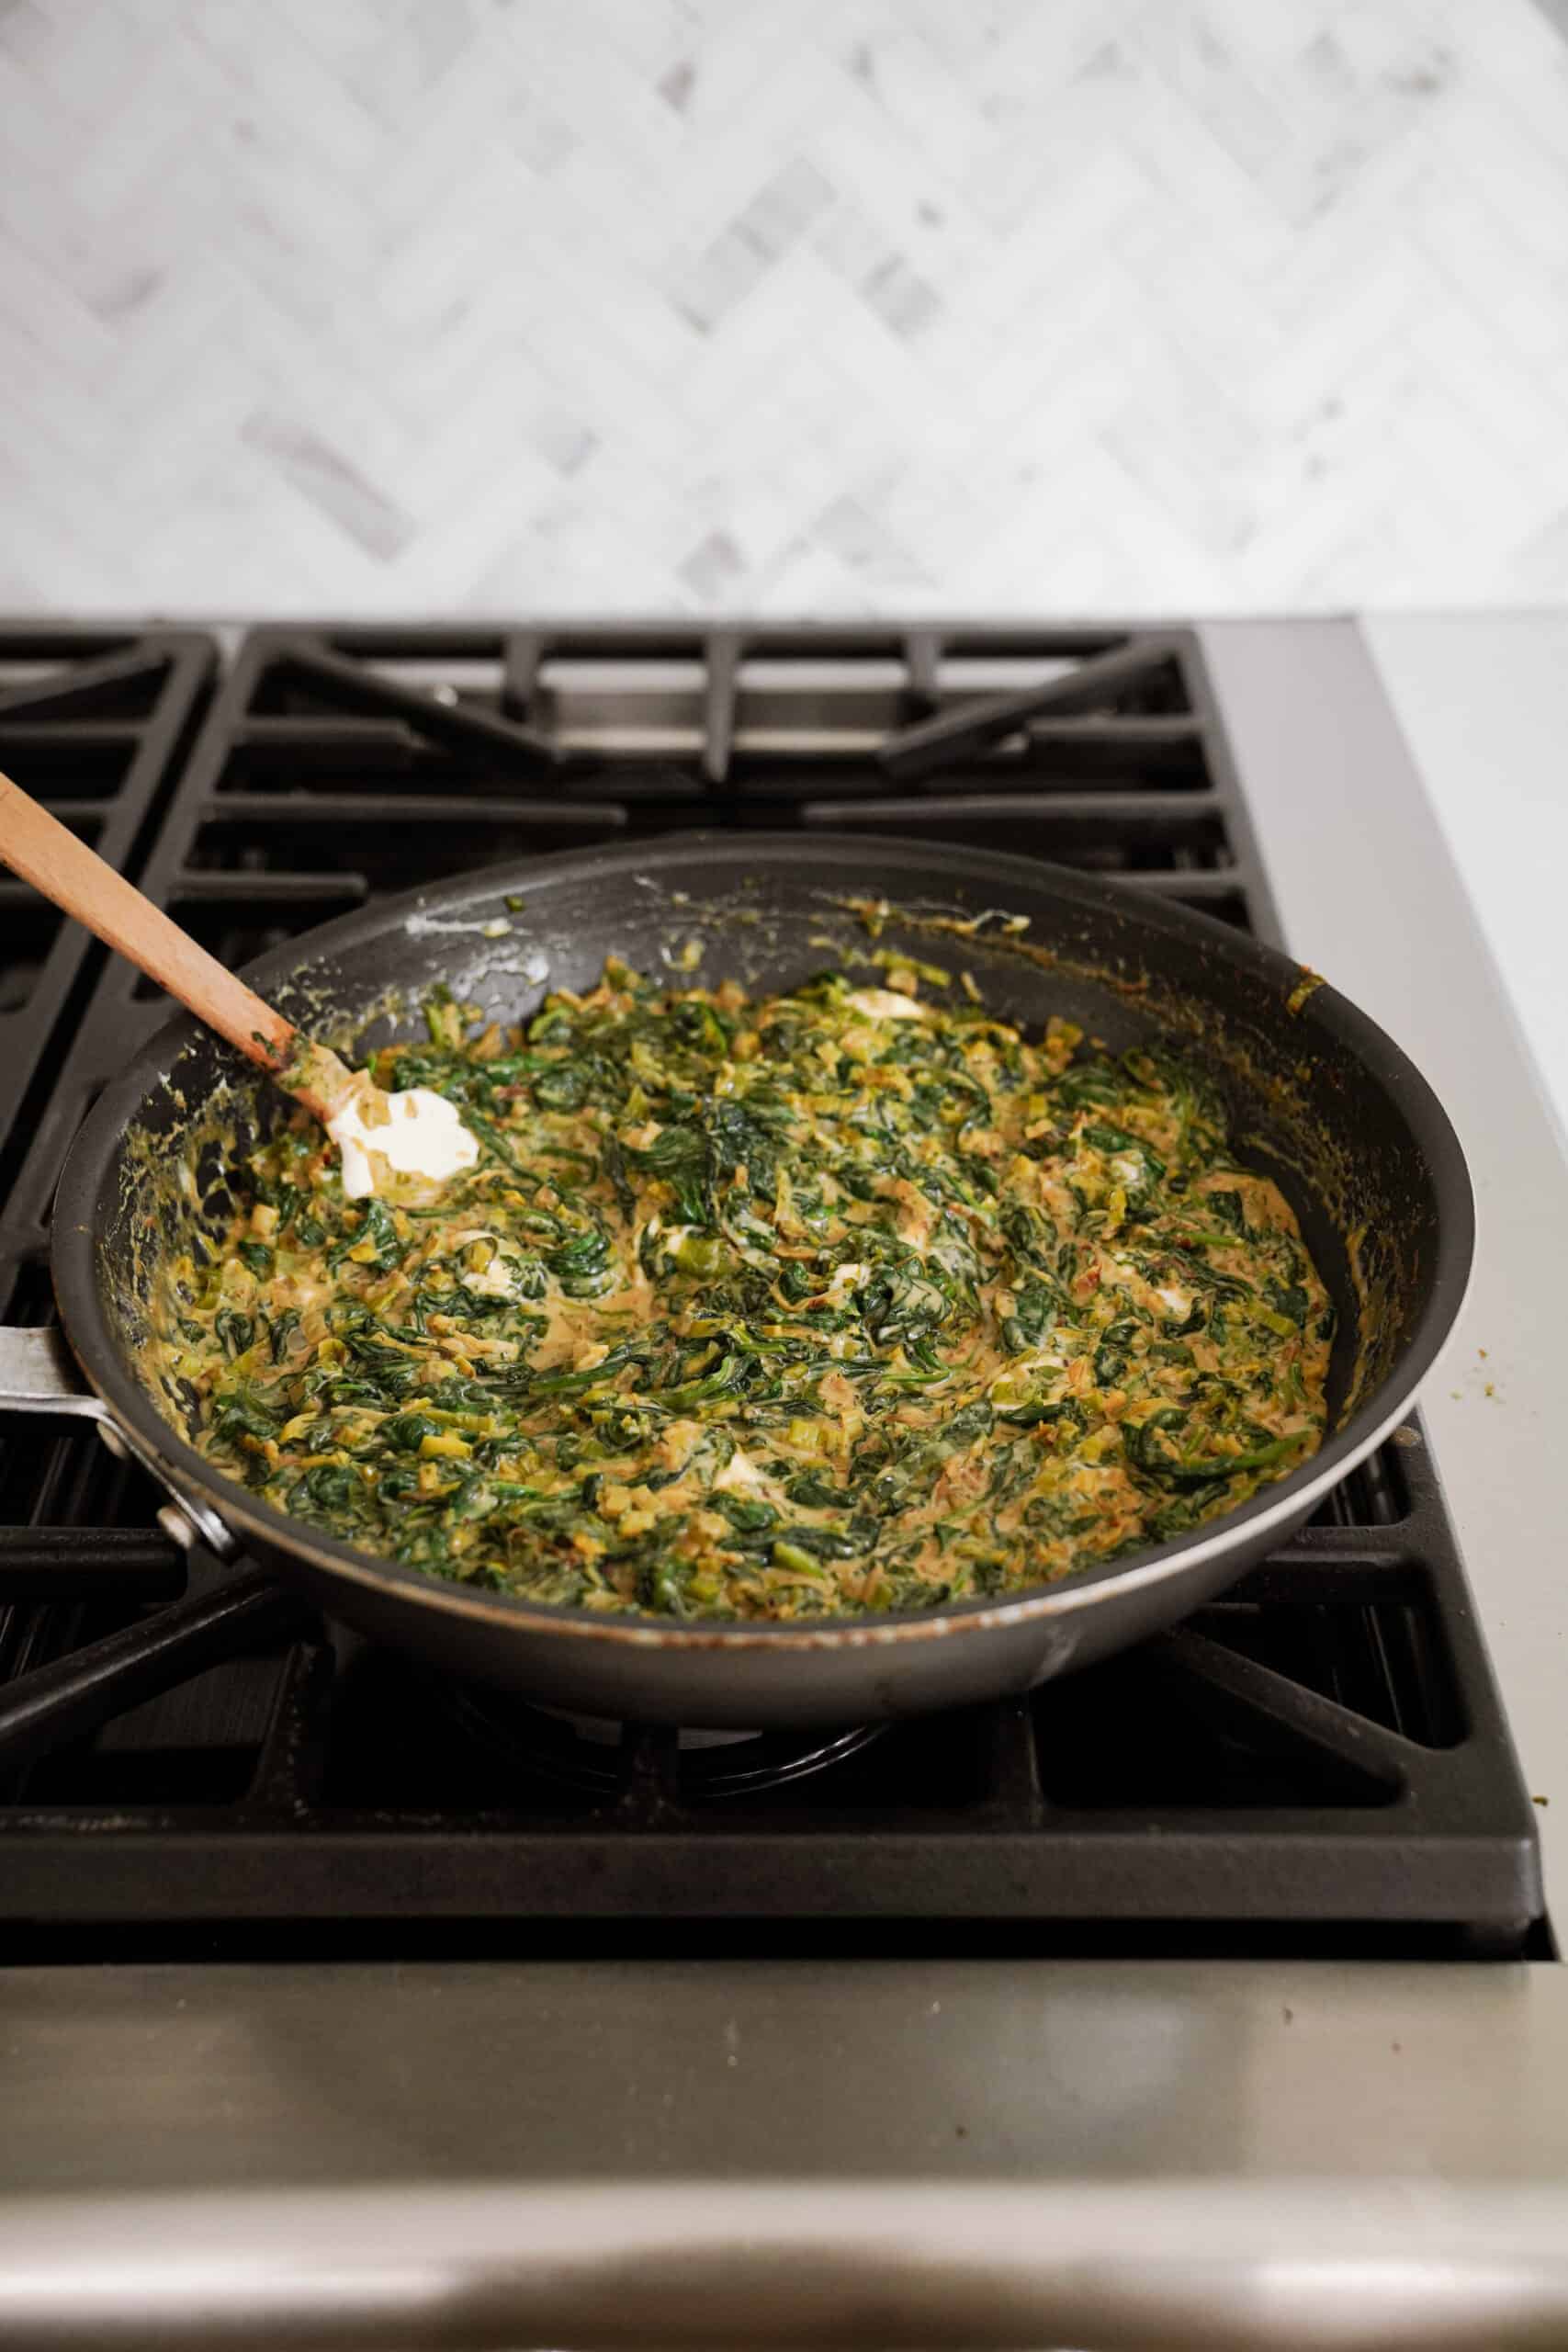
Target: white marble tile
[(855, 304)]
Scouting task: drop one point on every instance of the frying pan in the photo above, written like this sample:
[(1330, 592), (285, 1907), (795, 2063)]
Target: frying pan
[(1320, 1098)]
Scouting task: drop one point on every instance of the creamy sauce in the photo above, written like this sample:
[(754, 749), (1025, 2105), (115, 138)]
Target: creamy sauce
[(843, 1300)]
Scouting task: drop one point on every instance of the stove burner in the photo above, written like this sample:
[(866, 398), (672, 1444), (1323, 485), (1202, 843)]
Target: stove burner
[(592, 1756)]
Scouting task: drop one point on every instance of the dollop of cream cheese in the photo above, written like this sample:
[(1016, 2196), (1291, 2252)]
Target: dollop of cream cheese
[(885, 1004), (420, 1135)]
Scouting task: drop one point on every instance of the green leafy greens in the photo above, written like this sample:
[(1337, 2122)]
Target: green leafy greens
[(849, 1300)]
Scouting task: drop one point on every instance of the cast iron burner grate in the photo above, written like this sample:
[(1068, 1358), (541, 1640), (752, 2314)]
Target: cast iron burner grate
[(93, 723), (1316, 1762)]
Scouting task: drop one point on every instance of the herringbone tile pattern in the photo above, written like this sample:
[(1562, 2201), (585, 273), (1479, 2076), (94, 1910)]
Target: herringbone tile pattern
[(830, 305)]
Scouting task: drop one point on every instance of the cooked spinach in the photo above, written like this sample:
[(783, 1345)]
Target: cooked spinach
[(843, 1300)]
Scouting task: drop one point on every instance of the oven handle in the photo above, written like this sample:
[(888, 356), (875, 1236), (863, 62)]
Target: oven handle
[(1161, 2266), (40, 1375)]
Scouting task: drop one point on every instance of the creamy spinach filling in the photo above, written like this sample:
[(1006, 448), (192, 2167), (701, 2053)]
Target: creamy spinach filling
[(847, 1300)]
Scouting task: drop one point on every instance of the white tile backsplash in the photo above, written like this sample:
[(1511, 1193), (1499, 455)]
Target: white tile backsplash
[(390, 306)]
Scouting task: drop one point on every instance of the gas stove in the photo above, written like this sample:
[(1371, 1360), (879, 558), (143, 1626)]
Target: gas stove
[(1317, 1764), (1210, 1998)]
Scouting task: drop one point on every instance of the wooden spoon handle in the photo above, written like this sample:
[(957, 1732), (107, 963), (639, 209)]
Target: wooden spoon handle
[(46, 853)]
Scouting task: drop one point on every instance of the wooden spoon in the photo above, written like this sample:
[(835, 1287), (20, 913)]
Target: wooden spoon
[(417, 1131)]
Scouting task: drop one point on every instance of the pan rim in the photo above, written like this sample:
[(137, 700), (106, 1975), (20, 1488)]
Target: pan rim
[(1283, 1504)]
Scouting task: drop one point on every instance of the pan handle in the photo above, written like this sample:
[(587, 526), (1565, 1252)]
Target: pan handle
[(40, 1375)]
